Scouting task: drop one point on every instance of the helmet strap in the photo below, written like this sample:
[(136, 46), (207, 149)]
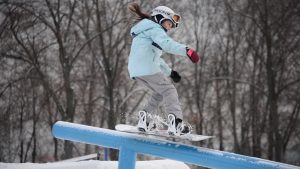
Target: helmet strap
[(155, 19), (159, 21)]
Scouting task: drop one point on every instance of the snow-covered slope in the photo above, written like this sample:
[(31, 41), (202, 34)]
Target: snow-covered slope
[(156, 164)]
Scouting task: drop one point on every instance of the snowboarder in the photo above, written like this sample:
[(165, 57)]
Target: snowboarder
[(146, 66)]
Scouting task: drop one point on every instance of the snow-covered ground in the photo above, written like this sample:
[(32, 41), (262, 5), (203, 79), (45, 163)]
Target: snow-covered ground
[(155, 164)]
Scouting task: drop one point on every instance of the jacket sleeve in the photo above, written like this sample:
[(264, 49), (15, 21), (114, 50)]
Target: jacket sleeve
[(160, 37), (164, 67)]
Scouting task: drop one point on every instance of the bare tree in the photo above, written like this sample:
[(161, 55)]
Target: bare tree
[(67, 60)]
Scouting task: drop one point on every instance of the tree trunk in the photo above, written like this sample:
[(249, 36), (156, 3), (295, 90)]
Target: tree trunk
[(255, 118), (274, 138), (219, 116)]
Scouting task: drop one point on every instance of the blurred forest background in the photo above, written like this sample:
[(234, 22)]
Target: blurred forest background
[(67, 60)]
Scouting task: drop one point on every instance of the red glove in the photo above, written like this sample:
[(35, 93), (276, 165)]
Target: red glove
[(192, 55)]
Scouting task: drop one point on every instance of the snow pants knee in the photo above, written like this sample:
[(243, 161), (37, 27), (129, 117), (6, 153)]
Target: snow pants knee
[(163, 92)]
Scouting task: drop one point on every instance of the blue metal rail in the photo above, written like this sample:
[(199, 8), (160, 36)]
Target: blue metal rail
[(131, 144)]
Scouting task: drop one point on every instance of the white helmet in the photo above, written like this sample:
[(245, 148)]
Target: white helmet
[(167, 13)]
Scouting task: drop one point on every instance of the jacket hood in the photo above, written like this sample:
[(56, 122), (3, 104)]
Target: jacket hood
[(143, 25)]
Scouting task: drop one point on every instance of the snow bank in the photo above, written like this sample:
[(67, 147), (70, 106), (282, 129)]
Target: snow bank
[(155, 164)]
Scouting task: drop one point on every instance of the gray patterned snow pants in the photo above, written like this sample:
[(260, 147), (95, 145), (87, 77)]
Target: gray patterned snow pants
[(163, 92)]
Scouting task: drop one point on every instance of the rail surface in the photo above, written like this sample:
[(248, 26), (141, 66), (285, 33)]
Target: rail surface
[(129, 145)]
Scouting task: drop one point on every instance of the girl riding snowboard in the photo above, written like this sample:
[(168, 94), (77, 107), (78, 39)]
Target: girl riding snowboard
[(146, 66)]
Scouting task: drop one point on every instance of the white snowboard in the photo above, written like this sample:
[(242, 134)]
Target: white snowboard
[(160, 133)]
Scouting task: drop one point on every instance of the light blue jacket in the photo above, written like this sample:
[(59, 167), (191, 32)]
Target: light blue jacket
[(144, 57)]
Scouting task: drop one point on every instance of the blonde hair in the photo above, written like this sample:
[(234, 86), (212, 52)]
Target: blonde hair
[(139, 14)]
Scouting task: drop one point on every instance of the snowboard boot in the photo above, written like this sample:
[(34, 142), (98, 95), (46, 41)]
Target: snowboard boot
[(146, 122), (177, 127)]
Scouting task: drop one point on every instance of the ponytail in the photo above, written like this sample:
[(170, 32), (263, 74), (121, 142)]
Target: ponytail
[(136, 9)]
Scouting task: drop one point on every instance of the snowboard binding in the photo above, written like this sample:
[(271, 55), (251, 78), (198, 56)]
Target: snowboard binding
[(177, 127), (146, 122)]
